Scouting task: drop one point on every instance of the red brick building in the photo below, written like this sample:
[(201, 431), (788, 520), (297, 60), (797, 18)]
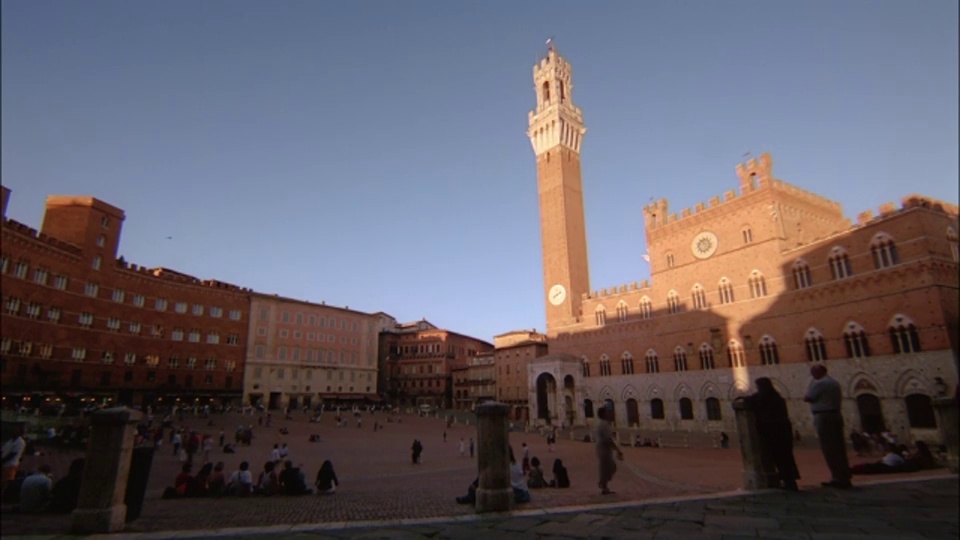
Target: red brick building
[(514, 352), (761, 281), (79, 323), (420, 358)]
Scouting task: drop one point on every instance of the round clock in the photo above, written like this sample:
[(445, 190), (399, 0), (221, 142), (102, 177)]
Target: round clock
[(704, 245), (557, 294)]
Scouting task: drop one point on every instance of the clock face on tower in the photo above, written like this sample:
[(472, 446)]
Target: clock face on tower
[(557, 294), (704, 245)]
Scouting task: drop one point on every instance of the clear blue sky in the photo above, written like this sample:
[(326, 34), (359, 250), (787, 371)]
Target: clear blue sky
[(373, 154)]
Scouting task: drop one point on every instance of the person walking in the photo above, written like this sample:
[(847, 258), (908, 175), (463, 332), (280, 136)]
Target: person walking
[(775, 431), (605, 447), (824, 396)]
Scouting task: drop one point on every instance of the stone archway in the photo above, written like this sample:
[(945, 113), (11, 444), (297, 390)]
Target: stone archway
[(546, 397)]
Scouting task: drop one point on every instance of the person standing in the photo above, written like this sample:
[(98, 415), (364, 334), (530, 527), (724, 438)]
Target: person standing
[(605, 447), (775, 430), (12, 452), (824, 396), (471, 447), (463, 447)]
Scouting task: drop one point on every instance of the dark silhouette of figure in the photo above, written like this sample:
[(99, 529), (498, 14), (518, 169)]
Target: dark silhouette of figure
[(775, 430)]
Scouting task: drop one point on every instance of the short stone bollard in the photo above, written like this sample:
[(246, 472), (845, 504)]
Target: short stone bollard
[(494, 493), (947, 420), (100, 507), (758, 469)]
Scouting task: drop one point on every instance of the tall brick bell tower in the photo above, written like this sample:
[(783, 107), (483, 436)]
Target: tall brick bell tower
[(556, 132)]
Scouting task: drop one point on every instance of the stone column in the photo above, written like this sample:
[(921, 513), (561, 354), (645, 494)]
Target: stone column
[(947, 420), (758, 469), (494, 493), (100, 508)]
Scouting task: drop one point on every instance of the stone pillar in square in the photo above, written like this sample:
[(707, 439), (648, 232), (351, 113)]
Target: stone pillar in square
[(494, 494), (100, 508), (947, 420), (758, 469)]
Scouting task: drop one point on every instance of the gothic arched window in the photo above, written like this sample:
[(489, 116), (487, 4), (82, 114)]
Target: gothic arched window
[(622, 311), (706, 357), (626, 363), (604, 365), (840, 263), (903, 335), (801, 274), (653, 361), (769, 355), (815, 345), (673, 302), (884, 251), (601, 315), (646, 307), (546, 92), (699, 297), (679, 359), (855, 338), (735, 354), (726, 291), (758, 285)]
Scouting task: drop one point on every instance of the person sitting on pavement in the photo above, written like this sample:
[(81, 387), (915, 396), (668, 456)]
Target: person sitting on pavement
[(216, 483), (200, 486), (268, 483), (518, 480), (535, 479), (471, 496), (292, 480), (183, 482), (922, 458), (327, 481), (890, 463), (241, 481), (36, 490), (66, 491), (560, 477)]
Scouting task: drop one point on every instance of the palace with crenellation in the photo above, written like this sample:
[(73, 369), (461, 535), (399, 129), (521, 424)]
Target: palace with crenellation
[(761, 281)]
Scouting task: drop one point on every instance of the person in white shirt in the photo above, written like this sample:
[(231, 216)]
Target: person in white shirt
[(275, 454), (241, 481), (12, 452), (35, 491), (518, 480)]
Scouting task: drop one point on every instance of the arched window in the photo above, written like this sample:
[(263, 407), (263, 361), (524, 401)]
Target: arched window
[(816, 347), (855, 338), (699, 297), (604, 365), (952, 240), (903, 335), (679, 359), (622, 311), (686, 409), (646, 307), (588, 408), (626, 363), (747, 235), (726, 291), (884, 251), (546, 92), (839, 263), (758, 285), (801, 274), (653, 361), (671, 261), (768, 351), (563, 93), (713, 409), (673, 302), (920, 412), (601, 315), (585, 363), (735, 354), (656, 409), (706, 357)]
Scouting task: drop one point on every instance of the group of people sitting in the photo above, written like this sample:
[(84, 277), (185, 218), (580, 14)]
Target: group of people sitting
[(36, 492), (523, 481), (210, 481), (899, 458)]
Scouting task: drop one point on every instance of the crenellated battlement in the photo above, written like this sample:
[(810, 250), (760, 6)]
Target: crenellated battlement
[(30, 232), (618, 290), (907, 203), (173, 276), (755, 175)]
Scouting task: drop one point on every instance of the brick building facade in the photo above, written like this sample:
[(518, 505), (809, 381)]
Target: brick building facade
[(80, 324), (759, 282), (301, 354), (514, 352), (420, 358)]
